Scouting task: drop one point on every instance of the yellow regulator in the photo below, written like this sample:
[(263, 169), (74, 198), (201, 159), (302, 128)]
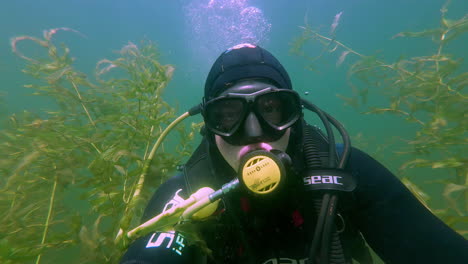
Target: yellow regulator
[(261, 172)]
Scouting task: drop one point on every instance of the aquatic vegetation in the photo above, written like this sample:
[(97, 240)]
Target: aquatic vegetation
[(427, 92), (73, 175)]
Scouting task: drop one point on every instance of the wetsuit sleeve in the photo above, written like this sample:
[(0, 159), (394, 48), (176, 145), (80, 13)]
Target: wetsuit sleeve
[(163, 247), (395, 224)]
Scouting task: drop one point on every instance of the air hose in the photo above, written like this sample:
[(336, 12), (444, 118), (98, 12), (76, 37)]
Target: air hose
[(322, 206), (325, 206)]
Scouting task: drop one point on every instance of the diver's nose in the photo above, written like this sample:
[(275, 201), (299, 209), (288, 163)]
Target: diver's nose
[(252, 127)]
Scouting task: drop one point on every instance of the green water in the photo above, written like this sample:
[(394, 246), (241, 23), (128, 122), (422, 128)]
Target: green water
[(190, 34)]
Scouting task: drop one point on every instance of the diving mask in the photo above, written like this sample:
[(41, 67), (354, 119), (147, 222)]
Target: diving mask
[(275, 109)]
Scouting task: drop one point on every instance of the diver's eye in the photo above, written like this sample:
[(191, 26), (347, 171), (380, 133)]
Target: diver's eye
[(225, 114), (270, 107)]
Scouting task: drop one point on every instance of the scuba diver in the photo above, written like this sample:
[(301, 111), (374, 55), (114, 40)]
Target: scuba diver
[(301, 197)]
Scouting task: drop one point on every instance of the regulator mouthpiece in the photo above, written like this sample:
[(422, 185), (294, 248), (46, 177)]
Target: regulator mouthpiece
[(263, 172)]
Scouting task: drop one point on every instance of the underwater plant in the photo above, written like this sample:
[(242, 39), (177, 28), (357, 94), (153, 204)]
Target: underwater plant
[(427, 92), (73, 175)]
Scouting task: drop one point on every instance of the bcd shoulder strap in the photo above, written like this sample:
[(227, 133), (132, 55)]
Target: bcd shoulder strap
[(197, 170)]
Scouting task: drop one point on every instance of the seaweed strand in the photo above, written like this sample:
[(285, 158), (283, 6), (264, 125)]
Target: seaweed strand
[(49, 216)]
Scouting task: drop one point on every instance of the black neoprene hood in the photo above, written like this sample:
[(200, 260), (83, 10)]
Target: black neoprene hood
[(244, 61)]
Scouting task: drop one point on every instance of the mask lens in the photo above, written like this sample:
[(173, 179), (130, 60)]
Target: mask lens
[(224, 116), (278, 109), (275, 109)]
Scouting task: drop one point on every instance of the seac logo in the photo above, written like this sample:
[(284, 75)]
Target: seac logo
[(320, 179), (286, 261)]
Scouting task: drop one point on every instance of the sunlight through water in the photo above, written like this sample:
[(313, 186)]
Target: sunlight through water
[(215, 25)]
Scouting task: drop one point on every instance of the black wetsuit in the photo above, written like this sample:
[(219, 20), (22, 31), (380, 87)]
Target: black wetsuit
[(247, 230)]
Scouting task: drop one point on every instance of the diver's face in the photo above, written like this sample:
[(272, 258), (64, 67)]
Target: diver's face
[(251, 134)]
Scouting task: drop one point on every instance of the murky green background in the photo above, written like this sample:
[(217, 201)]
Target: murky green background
[(190, 35)]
